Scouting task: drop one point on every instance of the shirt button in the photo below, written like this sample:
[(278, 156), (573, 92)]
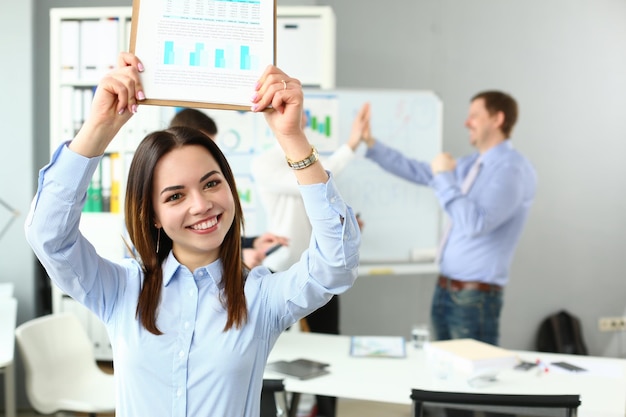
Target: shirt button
[(181, 354), (191, 293), (179, 392), (187, 325)]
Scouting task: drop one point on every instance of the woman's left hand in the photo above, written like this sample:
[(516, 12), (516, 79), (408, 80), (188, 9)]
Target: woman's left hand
[(284, 95)]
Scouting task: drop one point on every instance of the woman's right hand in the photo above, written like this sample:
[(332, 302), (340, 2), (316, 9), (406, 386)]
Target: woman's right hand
[(114, 102)]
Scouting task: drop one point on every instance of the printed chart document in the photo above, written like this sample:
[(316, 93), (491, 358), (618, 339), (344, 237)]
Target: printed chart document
[(378, 346), (203, 54)]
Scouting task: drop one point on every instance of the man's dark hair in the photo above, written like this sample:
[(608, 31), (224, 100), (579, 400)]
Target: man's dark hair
[(497, 101)]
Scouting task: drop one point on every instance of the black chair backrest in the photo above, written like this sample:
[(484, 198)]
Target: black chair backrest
[(269, 407), (527, 405)]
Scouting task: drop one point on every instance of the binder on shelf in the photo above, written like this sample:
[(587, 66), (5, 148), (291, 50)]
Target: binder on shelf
[(105, 167), (86, 104), (471, 356), (108, 48), (70, 47), (116, 182), (67, 121), (89, 54), (94, 193), (77, 110)]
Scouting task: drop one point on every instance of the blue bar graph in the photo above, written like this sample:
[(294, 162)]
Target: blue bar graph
[(244, 57), (168, 56), (220, 60), (194, 57), (200, 54)]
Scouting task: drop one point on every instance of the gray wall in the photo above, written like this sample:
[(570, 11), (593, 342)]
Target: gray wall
[(17, 172), (564, 61)]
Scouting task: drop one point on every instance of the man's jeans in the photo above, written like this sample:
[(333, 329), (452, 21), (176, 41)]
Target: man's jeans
[(471, 314)]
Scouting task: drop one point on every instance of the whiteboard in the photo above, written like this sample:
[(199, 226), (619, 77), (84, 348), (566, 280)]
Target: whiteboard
[(401, 218)]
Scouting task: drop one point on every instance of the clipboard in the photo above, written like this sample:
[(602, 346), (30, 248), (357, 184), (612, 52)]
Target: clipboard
[(203, 54)]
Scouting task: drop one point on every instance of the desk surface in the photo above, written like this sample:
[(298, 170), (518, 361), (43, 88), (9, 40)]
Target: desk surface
[(8, 319), (602, 389)]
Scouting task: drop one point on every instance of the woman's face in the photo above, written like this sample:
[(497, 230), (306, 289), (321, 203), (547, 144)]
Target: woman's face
[(193, 204)]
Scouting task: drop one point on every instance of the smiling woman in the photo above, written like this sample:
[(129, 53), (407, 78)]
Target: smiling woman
[(187, 317), (191, 187)]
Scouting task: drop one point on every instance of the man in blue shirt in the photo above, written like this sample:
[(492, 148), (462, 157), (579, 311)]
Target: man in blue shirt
[(486, 197)]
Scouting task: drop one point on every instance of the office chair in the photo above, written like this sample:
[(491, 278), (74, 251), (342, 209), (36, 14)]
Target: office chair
[(521, 405), (61, 371), (272, 389)]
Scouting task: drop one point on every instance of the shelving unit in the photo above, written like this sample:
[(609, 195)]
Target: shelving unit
[(84, 45)]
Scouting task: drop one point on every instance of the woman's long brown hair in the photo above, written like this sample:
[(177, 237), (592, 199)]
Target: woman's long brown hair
[(139, 212)]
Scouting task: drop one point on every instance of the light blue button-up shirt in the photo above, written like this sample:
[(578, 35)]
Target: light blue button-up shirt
[(194, 368), (487, 222)]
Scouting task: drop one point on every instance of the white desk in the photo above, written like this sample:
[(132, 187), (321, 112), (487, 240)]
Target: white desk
[(8, 318), (602, 390)]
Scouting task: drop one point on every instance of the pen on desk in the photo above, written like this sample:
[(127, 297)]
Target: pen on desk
[(542, 367)]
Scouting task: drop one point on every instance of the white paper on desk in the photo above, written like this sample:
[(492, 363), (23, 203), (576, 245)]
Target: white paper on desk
[(378, 346)]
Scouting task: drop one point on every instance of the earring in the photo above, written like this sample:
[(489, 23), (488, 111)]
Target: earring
[(158, 239)]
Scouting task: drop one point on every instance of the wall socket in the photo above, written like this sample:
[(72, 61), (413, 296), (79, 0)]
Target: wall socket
[(612, 324)]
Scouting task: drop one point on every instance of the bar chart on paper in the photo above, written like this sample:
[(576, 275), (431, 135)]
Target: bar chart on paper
[(207, 53), (217, 56)]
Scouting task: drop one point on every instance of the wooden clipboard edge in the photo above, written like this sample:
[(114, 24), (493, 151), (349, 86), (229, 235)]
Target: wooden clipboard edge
[(196, 104), (134, 21)]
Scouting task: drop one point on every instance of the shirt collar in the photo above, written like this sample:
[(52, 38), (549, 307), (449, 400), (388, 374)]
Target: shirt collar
[(171, 266), (496, 152)]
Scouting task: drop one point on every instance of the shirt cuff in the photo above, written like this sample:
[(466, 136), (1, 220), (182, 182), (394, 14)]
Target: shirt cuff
[(69, 169), (445, 186), (314, 195)]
